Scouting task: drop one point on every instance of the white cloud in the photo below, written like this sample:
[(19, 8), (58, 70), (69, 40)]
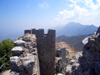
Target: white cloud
[(88, 13), (43, 5)]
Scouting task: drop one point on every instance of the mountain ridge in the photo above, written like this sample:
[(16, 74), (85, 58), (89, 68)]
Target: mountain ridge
[(74, 42), (70, 29), (74, 29)]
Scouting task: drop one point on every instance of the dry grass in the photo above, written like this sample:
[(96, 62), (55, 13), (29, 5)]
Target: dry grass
[(68, 48)]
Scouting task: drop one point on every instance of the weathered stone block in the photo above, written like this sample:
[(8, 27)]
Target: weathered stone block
[(17, 51), (19, 43)]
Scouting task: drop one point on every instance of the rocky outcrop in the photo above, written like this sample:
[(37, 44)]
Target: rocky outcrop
[(72, 66), (61, 61), (25, 56), (89, 62)]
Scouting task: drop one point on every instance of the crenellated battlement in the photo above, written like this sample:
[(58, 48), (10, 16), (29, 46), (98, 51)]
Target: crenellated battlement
[(28, 31), (46, 50), (40, 32)]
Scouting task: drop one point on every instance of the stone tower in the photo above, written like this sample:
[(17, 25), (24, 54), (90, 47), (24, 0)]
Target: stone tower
[(46, 50)]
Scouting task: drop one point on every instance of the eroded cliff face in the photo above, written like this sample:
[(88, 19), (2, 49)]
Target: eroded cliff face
[(25, 56), (89, 62)]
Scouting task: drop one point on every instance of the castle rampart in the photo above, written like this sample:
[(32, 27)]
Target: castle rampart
[(46, 50)]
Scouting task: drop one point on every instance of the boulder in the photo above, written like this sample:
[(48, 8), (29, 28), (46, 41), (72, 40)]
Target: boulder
[(85, 41), (15, 62), (28, 63), (28, 66), (77, 55), (25, 58), (72, 67), (16, 51), (19, 43), (29, 37)]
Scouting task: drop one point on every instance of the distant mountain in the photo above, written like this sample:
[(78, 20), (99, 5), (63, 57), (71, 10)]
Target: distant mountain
[(73, 29)]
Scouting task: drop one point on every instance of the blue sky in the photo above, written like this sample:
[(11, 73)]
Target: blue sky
[(25, 14)]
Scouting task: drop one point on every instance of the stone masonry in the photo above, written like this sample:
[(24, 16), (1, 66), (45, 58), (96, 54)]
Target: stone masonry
[(24, 60), (46, 50), (61, 60)]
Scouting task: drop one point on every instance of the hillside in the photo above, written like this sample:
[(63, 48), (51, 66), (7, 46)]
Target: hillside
[(74, 29), (70, 50), (75, 41)]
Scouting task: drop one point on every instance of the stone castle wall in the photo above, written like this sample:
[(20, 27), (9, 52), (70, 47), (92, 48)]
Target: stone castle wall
[(24, 60), (46, 50)]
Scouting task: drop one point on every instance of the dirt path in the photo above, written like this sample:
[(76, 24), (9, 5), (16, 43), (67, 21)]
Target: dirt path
[(5, 72)]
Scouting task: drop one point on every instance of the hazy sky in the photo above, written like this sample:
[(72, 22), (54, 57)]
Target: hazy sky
[(48, 13)]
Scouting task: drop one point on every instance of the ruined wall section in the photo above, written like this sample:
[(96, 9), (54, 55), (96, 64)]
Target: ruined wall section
[(46, 50), (24, 60)]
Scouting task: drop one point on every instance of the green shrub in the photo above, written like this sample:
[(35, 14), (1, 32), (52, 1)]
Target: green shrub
[(5, 49)]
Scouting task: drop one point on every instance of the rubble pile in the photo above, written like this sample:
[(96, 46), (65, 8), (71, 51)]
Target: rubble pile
[(24, 60), (89, 62)]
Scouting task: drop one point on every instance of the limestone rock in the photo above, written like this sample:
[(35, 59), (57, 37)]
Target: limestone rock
[(29, 37), (25, 59), (60, 74), (57, 59), (77, 55), (27, 64), (17, 50), (19, 43), (72, 66), (89, 62), (33, 44), (85, 41), (30, 58), (14, 60)]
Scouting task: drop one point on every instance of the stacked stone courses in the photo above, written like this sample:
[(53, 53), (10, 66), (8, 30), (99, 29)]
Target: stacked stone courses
[(25, 57), (46, 50)]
